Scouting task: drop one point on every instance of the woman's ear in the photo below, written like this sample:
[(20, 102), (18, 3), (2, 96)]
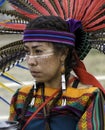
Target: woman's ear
[(64, 54)]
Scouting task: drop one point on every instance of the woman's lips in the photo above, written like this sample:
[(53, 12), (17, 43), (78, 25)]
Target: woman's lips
[(35, 73)]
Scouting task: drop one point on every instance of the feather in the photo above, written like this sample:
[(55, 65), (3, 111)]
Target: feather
[(65, 8), (97, 23), (95, 17), (5, 30), (24, 8), (95, 28), (13, 26), (77, 5), (11, 54), (87, 11), (57, 3), (22, 5), (81, 8), (90, 12), (31, 16), (72, 8), (97, 40), (48, 3), (39, 7), (57, 7), (14, 13)]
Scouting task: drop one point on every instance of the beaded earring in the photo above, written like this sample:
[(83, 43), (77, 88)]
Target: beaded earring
[(63, 78), (34, 89)]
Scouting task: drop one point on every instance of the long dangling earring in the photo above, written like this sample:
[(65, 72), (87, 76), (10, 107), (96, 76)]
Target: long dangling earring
[(63, 78), (34, 85), (34, 89), (63, 83)]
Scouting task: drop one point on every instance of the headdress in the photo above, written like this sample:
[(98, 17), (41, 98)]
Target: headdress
[(88, 13)]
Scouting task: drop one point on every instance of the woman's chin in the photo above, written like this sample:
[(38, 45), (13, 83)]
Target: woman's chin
[(38, 79)]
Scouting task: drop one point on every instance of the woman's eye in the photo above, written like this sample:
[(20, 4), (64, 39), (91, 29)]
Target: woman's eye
[(38, 52), (27, 52)]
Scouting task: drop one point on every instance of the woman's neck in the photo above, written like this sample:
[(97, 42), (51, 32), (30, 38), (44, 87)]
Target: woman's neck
[(53, 84)]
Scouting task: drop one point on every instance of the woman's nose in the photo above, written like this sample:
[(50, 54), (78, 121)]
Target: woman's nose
[(31, 60)]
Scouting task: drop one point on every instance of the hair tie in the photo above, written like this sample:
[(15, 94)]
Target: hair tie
[(74, 24)]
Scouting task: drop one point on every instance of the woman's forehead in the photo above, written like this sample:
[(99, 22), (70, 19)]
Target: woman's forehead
[(38, 44)]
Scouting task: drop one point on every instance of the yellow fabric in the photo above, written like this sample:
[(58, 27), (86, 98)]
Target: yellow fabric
[(75, 92), (70, 92)]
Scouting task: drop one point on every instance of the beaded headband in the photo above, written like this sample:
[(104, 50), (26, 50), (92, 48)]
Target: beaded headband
[(49, 36)]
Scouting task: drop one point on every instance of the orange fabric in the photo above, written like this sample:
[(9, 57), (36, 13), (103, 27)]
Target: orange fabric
[(76, 92), (70, 92), (25, 89), (48, 91)]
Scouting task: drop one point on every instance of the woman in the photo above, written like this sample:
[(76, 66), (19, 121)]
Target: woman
[(58, 100)]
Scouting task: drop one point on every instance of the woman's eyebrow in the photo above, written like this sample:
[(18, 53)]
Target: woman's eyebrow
[(36, 46), (33, 47), (25, 46)]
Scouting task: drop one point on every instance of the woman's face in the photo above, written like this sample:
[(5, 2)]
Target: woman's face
[(44, 64)]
